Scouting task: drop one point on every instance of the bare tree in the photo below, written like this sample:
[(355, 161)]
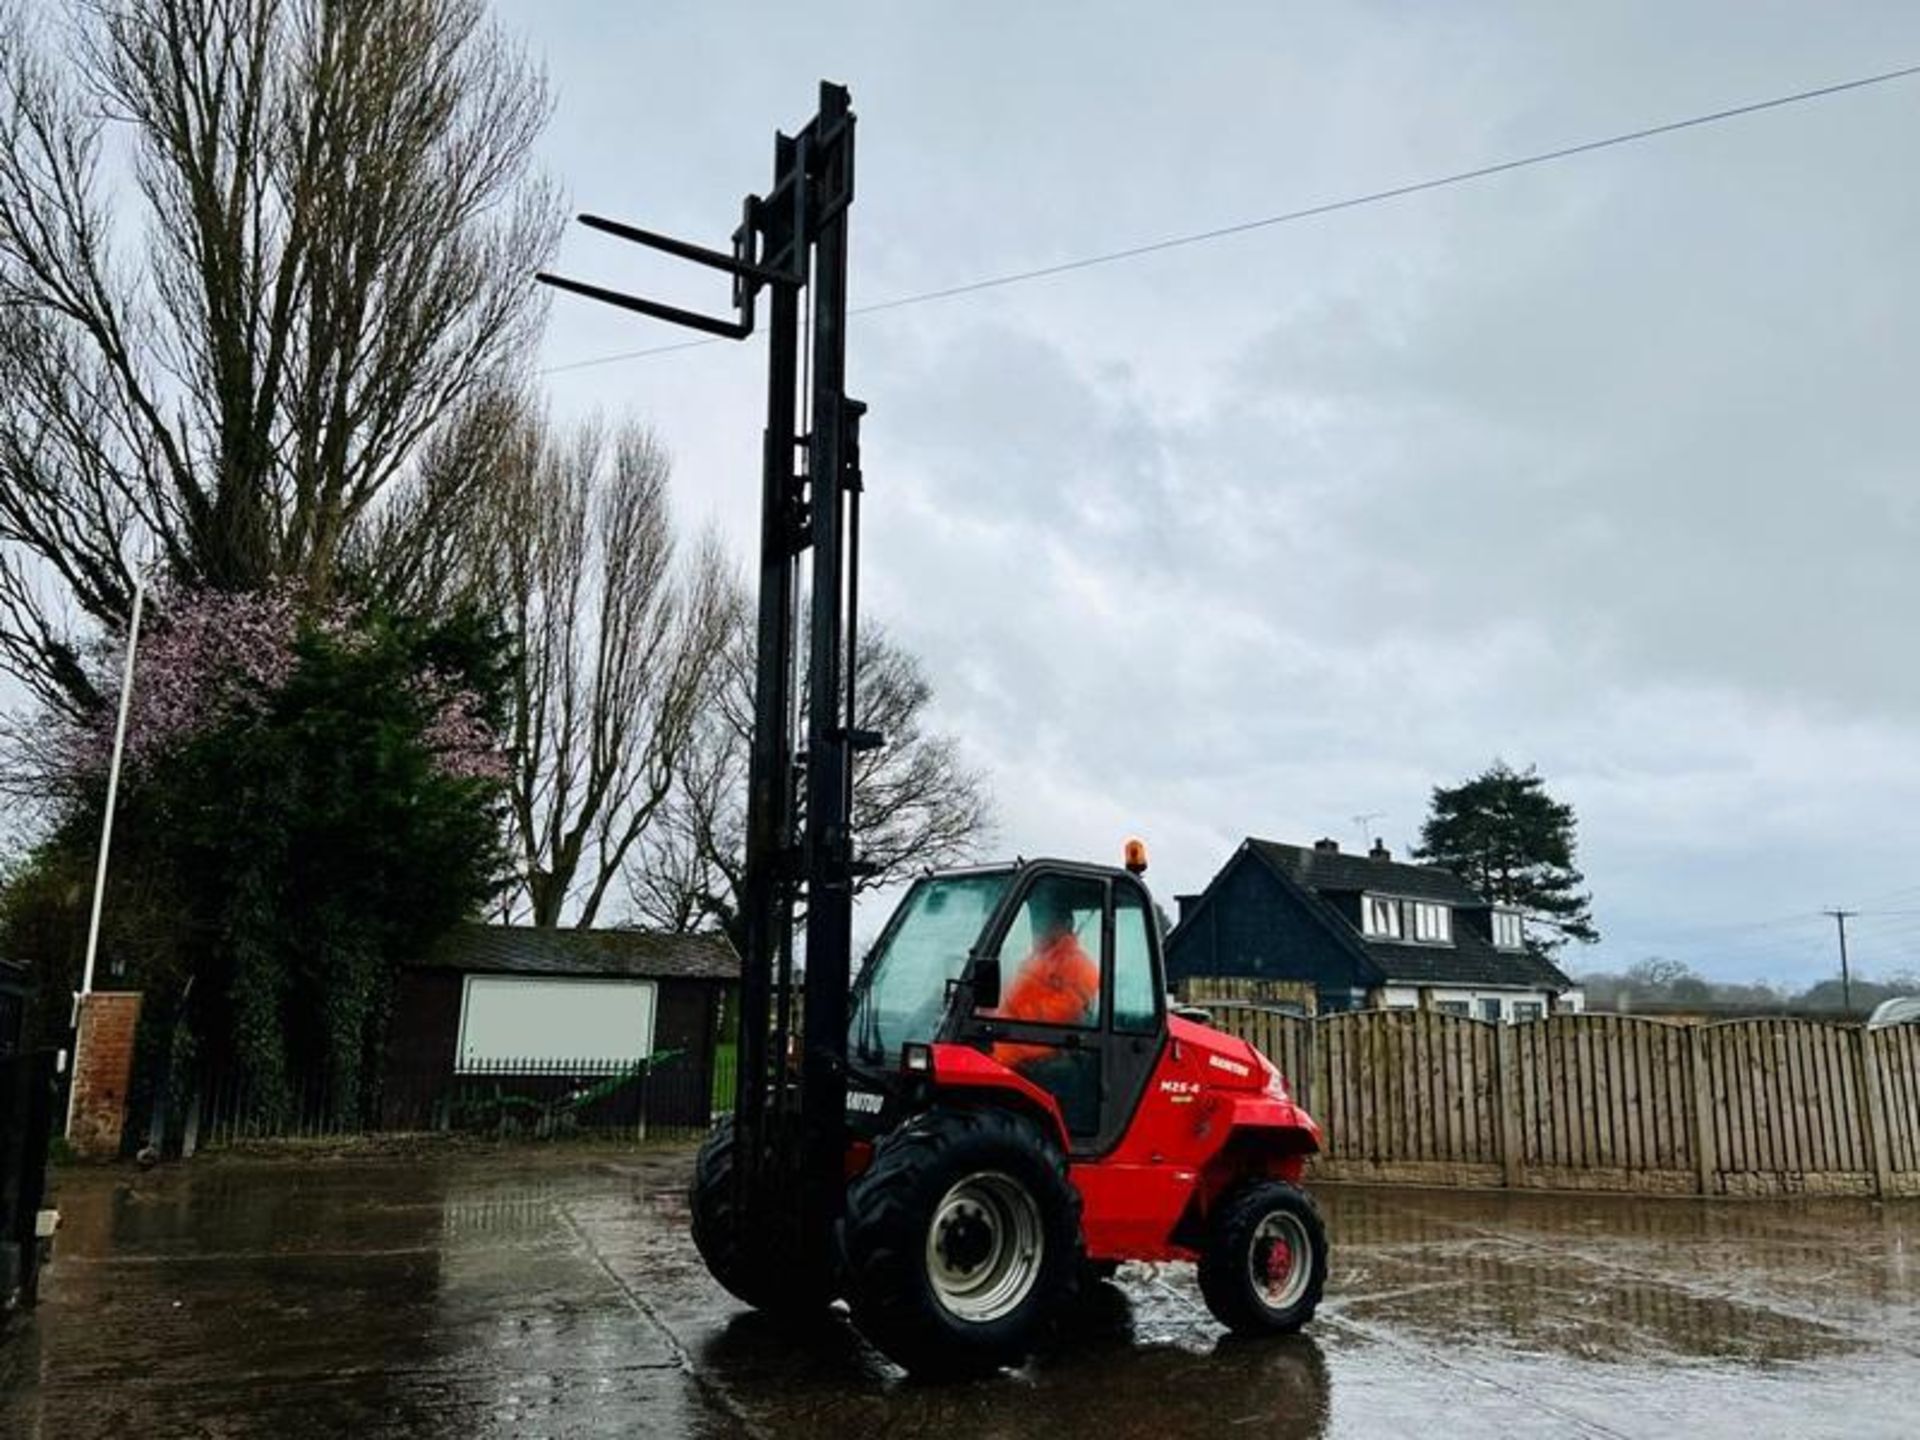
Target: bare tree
[(687, 874), (336, 221), (617, 641), (916, 805), (417, 549)]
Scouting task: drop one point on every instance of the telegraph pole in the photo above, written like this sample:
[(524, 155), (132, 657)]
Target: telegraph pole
[(1840, 918)]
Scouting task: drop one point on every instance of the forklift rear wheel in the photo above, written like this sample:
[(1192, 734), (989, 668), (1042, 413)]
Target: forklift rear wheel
[(738, 1254), (961, 1240), (1265, 1262)]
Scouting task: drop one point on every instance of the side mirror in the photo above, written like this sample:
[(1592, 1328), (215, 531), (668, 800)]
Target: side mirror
[(986, 983)]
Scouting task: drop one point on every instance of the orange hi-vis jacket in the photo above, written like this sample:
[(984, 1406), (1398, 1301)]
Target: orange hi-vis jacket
[(1058, 985)]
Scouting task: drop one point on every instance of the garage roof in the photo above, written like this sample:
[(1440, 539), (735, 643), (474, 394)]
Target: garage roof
[(532, 950)]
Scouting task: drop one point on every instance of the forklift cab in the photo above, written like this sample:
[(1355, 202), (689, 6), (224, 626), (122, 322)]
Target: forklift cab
[(1051, 967)]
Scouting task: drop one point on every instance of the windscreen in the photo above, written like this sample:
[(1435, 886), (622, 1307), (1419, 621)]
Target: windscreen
[(903, 989)]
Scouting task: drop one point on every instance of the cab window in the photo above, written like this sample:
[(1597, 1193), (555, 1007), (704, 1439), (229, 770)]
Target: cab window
[(1050, 957), (1136, 999)]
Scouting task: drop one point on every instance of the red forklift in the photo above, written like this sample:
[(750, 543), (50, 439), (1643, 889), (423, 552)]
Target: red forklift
[(949, 1159)]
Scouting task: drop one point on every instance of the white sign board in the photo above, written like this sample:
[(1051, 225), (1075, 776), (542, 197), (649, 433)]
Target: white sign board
[(517, 1017)]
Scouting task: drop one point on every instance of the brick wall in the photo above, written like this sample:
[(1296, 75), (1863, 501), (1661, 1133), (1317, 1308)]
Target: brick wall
[(102, 1068)]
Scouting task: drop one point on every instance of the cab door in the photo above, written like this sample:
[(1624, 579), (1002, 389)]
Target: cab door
[(1136, 1008), (1079, 1011), (1052, 951)]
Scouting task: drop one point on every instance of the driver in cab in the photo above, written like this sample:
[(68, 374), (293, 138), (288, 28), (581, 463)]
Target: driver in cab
[(1057, 984)]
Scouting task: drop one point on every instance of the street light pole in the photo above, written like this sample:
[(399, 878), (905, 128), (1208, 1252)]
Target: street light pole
[(106, 824)]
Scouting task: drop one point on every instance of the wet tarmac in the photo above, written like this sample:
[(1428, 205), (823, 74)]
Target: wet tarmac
[(554, 1292)]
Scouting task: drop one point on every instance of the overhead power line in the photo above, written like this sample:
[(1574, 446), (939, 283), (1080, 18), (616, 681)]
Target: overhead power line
[(1310, 212), (1736, 927), (1888, 897)]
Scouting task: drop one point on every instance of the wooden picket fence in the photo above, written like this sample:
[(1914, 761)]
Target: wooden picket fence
[(1602, 1102)]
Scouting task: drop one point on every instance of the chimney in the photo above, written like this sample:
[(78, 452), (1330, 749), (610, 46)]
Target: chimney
[(1186, 904), (1379, 850), (1326, 845)]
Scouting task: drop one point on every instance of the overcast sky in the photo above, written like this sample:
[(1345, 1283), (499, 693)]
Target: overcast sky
[(1605, 466)]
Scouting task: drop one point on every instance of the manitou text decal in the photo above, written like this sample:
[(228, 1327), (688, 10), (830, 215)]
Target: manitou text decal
[(1232, 1067)]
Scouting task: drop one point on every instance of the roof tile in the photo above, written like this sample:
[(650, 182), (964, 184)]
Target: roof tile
[(1468, 961), (534, 950), (1338, 870)]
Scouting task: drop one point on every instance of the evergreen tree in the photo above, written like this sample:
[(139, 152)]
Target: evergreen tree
[(1506, 836)]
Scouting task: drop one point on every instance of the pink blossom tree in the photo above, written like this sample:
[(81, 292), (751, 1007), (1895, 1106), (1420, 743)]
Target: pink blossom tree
[(210, 657)]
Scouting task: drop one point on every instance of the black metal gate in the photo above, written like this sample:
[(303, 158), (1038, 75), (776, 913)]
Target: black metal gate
[(27, 1089)]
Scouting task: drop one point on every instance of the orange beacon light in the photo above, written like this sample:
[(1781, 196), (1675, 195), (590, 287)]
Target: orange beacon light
[(1136, 856)]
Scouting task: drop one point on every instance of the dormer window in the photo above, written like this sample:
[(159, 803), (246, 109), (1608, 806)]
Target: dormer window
[(1507, 931), (1432, 924), (1425, 923), (1380, 918)]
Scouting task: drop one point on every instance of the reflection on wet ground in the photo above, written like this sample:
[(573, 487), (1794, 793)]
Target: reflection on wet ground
[(554, 1292)]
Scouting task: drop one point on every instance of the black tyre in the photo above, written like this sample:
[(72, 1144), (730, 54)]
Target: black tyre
[(1265, 1262), (741, 1254), (961, 1241)]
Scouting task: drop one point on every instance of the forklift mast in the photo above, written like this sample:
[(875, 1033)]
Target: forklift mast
[(956, 1214), (792, 243)]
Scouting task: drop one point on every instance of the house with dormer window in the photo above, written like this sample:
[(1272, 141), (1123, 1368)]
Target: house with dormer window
[(1364, 931)]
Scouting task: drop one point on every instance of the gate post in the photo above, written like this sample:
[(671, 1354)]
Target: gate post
[(26, 1127), (102, 1071)]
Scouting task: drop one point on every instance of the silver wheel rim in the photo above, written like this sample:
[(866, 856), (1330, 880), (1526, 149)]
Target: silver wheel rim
[(984, 1247), (1280, 1260)]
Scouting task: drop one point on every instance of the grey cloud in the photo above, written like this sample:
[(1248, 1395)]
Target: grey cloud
[(1606, 466)]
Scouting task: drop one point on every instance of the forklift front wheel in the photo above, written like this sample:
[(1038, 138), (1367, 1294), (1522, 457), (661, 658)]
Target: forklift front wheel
[(1265, 1262), (961, 1240), (737, 1248)]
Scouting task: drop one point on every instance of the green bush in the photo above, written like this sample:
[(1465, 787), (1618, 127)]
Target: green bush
[(279, 856)]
